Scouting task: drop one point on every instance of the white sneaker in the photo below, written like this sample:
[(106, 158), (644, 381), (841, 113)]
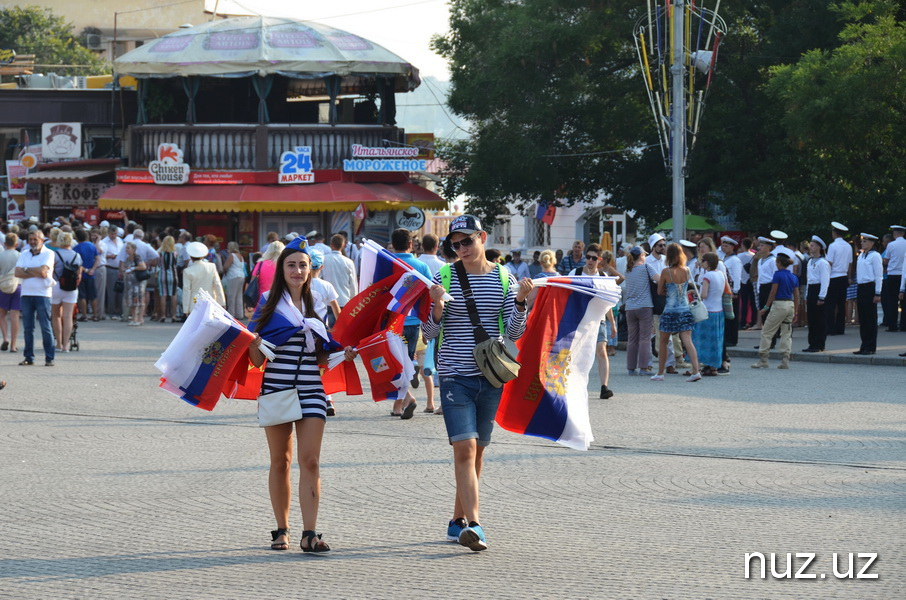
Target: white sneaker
[(694, 377), (657, 378)]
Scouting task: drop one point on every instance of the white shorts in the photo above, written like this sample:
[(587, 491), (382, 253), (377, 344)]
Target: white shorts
[(61, 296)]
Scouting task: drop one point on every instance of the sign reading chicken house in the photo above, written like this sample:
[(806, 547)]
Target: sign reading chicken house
[(169, 168)]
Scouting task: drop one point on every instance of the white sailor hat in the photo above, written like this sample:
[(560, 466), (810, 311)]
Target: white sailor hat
[(767, 240), (33, 219), (687, 243), (779, 235), (120, 232), (292, 235), (729, 240), (819, 241), (55, 224), (901, 227), (839, 226), (104, 224), (654, 238), (783, 250), (196, 250), (311, 234), (868, 236)]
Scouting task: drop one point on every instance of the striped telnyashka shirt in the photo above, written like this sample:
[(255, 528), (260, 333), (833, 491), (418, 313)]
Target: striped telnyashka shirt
[(454, 356), (280, 373)]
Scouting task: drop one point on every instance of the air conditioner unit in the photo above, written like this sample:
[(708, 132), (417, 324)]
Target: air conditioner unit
[(81, 82), (93, 42)]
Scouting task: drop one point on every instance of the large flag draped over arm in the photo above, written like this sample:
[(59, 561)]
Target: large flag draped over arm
[(549, 399)]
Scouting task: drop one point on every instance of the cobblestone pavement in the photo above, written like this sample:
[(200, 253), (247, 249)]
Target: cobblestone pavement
[(114, 489)]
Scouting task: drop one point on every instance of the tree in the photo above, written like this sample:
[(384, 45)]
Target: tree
[(844, 119), (548, 86), (33, 30)]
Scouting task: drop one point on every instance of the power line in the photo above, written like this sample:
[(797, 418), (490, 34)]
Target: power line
[(444, 107)]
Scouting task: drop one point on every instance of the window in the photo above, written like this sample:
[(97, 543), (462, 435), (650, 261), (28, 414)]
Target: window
[(500, 234), (537, 233)]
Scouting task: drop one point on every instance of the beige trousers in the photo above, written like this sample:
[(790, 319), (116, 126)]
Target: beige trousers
[(780, 317)]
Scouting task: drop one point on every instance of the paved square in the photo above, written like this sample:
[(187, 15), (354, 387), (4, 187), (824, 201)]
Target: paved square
[(112, 488)]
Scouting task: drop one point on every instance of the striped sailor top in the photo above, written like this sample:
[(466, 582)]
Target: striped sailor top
[(287, 369), (454, 357)]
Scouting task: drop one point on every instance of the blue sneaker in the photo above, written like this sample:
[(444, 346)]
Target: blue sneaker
[(454, 529), (473, 538)]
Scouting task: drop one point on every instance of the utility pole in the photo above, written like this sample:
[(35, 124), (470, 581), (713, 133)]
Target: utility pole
[(678, 121)]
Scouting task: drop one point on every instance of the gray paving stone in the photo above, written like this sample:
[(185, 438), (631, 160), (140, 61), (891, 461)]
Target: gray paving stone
[(114, 489)]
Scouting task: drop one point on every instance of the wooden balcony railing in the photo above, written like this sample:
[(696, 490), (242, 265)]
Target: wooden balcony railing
[(238, 146)]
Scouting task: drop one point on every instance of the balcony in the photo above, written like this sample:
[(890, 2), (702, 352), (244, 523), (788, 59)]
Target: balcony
[(252, 147)]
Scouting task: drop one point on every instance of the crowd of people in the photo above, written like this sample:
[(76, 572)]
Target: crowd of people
[(683, 304)]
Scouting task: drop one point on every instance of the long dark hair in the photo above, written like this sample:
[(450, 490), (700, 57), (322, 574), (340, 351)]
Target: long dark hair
[(279, 286)]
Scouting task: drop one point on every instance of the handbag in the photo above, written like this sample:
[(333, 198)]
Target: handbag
[(282, 406), (658, 301), (491, 355), (250, 295), (727, 300), (142, 275), (697, 306)]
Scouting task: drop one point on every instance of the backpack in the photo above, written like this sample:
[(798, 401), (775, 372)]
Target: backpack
[(69, 278)]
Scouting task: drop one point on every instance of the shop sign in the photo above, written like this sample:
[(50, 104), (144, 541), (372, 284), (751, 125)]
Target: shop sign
[(16, 171), (377, 219), (169, 168), (15, 211), (424, 142), (76, 194), (7, 55), (61, 140), (411, 218), (295, 166), (368, 159), (203, 177)]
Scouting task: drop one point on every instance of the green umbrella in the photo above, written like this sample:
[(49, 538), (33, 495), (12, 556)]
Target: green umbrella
[(693, 223)]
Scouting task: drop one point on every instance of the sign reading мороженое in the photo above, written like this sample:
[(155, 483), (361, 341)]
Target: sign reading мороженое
[(395, 160)]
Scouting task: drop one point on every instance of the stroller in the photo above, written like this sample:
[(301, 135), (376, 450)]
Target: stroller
[(73, 336)]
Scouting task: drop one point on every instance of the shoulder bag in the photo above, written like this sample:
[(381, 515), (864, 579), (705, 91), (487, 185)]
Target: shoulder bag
[(494, 360), (697, 306), (250, 295), (658, 301), (282, 406)]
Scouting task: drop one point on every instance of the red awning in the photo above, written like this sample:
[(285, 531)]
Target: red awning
[(328, 196)]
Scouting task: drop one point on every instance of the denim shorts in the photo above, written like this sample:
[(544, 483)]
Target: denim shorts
[(469, 405)]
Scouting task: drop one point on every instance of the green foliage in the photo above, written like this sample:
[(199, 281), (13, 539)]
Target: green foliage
[(844, 117), (33, 30), (542, 81)]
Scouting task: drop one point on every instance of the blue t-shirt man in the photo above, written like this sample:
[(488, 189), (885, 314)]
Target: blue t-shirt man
[(88, 252)]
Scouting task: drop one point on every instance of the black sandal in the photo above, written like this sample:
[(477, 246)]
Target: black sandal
[(278, 533), (315, 543)]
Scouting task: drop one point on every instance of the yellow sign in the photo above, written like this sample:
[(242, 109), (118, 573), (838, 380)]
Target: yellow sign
[(6, 56)]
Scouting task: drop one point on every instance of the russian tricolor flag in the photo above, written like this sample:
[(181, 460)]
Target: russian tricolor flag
[(549, 399), (201, 360)]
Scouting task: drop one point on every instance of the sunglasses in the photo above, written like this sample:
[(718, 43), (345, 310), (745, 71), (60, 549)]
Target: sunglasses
[(465, 243), (591, 257)]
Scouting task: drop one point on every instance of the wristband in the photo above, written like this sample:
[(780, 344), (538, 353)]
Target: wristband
[(519, 303)]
